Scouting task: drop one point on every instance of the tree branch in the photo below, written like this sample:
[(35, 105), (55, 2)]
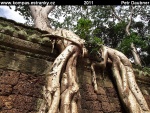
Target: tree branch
[(114, 13), (34, 9), (127, 27), (48, 9)]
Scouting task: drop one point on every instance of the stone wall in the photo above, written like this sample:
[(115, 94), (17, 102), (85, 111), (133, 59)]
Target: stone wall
[(107, 101), (20, 92), (22, 78), (21, 84), (24, 61)]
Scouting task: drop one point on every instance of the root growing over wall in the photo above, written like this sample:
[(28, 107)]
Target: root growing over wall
[(62, 87), (129, 92)]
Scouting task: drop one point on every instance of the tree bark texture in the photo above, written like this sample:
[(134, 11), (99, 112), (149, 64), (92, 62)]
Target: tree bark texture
[(137, 59), (129, 92), (40, 17)]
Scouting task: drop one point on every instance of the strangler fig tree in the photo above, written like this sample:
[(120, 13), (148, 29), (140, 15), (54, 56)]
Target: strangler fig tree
[(61, 92)]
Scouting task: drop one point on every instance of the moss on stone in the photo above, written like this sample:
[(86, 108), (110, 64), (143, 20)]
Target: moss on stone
[(46, 41), (34, 38), (142, 70), (3, 23), (22, 34), (1, 27), (9, 30), (31, 31), (2, 36)]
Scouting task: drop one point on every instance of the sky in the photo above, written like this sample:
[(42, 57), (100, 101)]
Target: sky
[(8, 13)]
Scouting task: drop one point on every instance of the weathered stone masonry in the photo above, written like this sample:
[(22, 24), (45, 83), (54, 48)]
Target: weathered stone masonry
[(105, 102), (25, 57), (24, 60), (19, 92)]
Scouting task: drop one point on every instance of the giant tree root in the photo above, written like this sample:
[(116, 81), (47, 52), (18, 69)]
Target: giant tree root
[(69, 90), (94, 79), (69, 95), (129, 92), (53, 89)]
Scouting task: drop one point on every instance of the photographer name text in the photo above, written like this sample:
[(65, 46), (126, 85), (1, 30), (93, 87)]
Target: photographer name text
[(135, 3)]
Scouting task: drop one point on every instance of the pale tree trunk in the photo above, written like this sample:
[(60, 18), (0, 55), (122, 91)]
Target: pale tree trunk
[(69, 95), (129, 92), (61, 83), (40, 17), (136, 57)]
